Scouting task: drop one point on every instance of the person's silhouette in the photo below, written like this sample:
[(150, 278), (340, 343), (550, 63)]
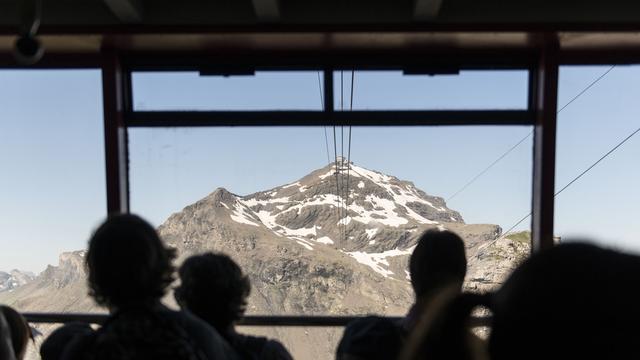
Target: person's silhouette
[(14, 334), (54, 346), (438, 262), (574, 301), (129, 272), (370, 338), (213, 287)]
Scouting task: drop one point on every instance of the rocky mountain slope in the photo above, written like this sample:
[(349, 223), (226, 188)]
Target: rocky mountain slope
[(329, 243)]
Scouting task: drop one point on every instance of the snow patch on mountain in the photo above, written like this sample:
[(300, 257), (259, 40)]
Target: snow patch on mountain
[(325, 240), (298, 232), (254, 202), (297, 183), (307, 245), (242, 215), (379, 261), (383, 212), (371, 233), (331, 172)]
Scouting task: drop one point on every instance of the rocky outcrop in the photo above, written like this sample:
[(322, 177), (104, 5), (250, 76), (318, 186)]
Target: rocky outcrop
[(494, 260)]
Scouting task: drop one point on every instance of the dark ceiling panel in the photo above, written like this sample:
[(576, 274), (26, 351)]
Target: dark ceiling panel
[(300, 12), (68, 12), (193, 12), (347, 11), (539, 11)]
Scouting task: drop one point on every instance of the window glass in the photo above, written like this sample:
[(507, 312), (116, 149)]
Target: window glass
[(189, 90), (602, 205), (52, 187), (268, 197), (466, 90), (322, 220)]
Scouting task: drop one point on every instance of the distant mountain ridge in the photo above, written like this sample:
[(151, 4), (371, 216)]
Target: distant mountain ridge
[(14, 279), (303, 254)]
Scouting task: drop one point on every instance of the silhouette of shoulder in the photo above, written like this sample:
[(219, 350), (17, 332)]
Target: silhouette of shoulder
[(203, 335), (6, 347), (162, 334), (260, 348)]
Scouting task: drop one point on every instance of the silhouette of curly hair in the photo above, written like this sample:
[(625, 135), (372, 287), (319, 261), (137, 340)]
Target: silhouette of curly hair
[(128, 263), (214, 288)]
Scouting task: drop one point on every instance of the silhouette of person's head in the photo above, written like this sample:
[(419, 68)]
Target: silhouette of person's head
[(128, 264), (370, 338), (574, 301), (438, 261), (19, 330), (54, 346), (214, 288)]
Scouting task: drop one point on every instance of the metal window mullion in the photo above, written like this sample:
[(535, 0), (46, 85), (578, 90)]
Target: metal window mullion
[(328, 91), (329, 118), (250, 320), (544, 149), (114, 84)]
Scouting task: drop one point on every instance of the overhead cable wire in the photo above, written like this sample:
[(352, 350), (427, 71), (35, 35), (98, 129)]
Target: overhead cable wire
[(611, 151), (326, 139), (341, 164), (587, 88), (335, 153), (487, 168), (349, 155), (335, 149), (349, 147)]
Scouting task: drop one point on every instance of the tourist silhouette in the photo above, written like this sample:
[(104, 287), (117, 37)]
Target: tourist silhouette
[(15, 334), (129, 272), (573, 301), (438, 262), (213, 287), (370, 338), (54, 346)]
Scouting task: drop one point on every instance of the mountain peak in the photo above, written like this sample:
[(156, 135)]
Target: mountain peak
[(221, 194), (341, 205)]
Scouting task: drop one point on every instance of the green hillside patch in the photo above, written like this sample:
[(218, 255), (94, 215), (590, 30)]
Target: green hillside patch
[(521, 237)]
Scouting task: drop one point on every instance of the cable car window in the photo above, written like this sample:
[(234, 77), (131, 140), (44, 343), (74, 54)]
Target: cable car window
[(274, 199), (598, 148), (322, 219), (458, 90), (200, 91), (53, 186)]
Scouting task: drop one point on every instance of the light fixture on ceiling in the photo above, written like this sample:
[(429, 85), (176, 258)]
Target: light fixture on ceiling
[(28, 49)]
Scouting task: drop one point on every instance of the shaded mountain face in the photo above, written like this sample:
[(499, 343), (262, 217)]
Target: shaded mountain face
[(337, 241)]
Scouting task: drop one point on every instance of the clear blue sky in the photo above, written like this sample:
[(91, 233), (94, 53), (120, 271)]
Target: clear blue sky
[(52, 162)]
